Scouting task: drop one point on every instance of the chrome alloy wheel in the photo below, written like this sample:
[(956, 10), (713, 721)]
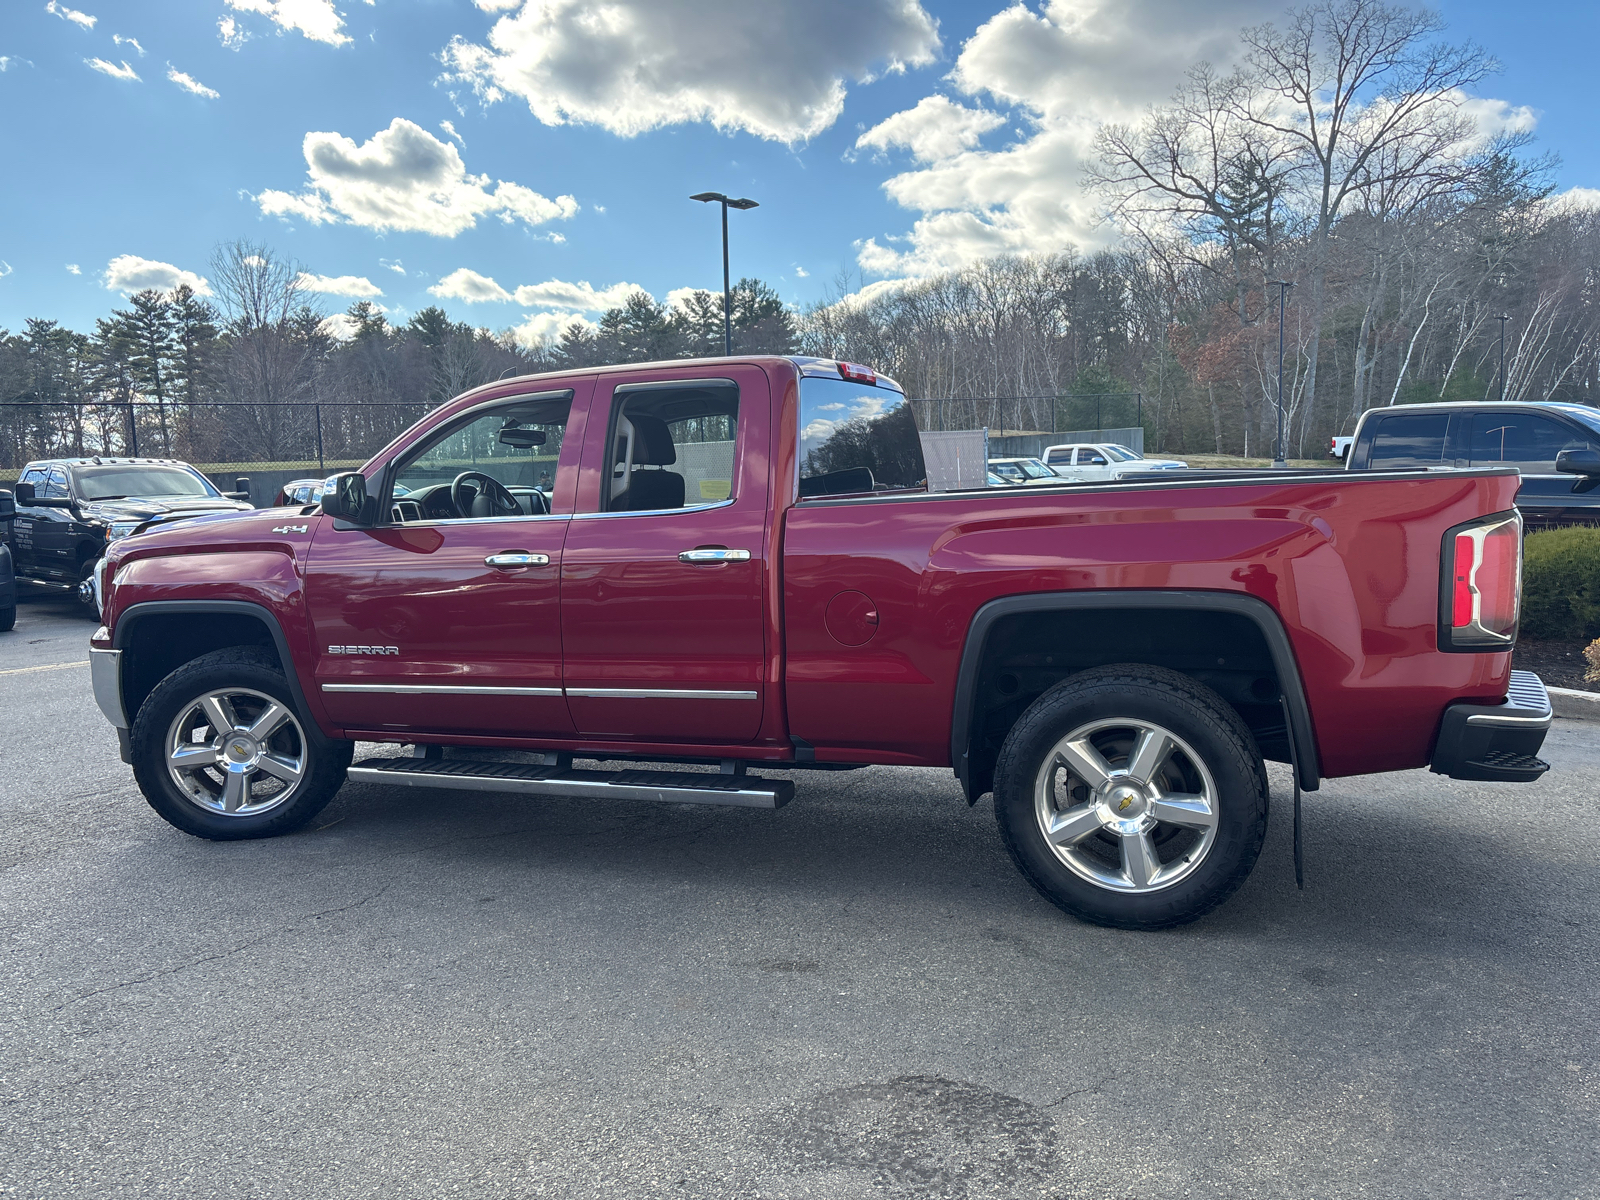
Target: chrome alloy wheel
[(1126, 805), (236, 752)]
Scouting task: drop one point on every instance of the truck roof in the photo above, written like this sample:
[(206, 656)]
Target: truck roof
[(827, 368)]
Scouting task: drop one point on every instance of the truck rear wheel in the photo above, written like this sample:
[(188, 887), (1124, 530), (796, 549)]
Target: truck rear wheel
[(220, 751), (1132, 796)]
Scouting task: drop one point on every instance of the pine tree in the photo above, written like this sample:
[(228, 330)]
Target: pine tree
[(151, 329)]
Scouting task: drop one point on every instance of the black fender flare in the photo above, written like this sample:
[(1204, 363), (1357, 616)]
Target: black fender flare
[(128, 620), (1302, 738)]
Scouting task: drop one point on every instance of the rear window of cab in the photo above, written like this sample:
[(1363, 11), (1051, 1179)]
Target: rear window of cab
[(855, 437)]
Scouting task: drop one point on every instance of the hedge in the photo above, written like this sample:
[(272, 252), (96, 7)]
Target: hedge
[(1561, 583)]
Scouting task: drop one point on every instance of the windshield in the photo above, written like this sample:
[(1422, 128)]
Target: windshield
[(855, 437), (1121, 453), (1589, 417), (114, 483), (1034, 469)]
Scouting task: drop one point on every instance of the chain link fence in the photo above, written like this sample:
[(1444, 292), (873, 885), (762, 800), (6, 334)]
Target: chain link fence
[(1006, 416), (216, 437)]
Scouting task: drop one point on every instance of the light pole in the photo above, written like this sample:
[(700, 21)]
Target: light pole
[(727, 291), (1503, 321), (1283, 287)]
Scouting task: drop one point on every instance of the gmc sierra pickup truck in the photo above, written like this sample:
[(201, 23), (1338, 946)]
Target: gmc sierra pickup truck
[(684, 572)]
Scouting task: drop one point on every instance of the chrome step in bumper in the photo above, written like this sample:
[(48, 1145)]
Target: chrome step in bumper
[(1497, 742), (673, 787)]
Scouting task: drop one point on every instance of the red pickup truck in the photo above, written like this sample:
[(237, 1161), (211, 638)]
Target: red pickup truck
[(738, 564)]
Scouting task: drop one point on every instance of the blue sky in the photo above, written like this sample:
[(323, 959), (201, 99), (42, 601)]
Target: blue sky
[(883, 138)]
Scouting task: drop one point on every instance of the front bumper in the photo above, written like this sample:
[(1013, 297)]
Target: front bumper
[(105, 673), (1496, 742)]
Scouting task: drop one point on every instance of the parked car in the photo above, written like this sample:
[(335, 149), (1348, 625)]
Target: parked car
[(743, 568), (8, 577), (1020, 472), (70, 509), (1528, 435), (1338, 447), (1103, 460)]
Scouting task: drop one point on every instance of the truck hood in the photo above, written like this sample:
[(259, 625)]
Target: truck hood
[(143, 508)]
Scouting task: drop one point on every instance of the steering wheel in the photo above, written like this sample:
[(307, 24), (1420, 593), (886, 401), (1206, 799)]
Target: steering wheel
[(491, 499)]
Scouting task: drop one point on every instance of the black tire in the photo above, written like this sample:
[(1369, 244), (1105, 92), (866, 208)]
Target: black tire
[(8, 618), (1205, 725), (249, 671)]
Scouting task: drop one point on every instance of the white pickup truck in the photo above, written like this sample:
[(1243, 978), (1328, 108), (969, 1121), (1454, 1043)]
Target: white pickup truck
[(1086, 460)]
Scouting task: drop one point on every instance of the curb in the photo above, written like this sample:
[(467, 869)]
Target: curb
[(1575, 705)]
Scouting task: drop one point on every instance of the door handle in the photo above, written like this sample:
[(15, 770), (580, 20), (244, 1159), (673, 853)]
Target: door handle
[(708, 554), (517, 560)]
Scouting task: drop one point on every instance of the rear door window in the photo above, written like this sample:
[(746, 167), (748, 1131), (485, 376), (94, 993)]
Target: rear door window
[(1410, 440), (673, 446), (1527, 441)]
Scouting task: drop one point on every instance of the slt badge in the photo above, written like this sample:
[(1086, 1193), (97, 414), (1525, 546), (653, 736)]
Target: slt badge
[(291, 529)]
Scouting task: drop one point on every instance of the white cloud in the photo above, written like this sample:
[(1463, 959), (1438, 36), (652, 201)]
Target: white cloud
[(584, 296), (124, 72), (189, 83), (1575, 199), (5, 268), (802, 272), (231, 33), (128, 273), (341, 327), (774, 70), (934, 130), (404, 178), (119, 40), (1057, 71), (317, 19), (6, 63), (81, 19), (1065, 69), (494, 6), (449, 128), (358, 287), (548, 327), (468, 285), (73, 269), (393, 264)]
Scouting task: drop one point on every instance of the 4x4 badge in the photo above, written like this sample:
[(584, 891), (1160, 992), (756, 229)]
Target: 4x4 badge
[(291, 529)]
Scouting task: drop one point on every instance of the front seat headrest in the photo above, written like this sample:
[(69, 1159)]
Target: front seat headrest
[(652, 443)]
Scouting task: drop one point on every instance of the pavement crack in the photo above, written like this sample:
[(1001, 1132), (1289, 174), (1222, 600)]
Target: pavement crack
[(210, 958), (1091, 1089)]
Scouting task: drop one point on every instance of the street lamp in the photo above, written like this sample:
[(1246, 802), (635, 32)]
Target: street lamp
[(727, 292), (1283, 290), (1503, 321)]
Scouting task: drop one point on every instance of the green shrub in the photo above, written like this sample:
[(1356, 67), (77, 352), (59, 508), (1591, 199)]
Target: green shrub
[(1561, 583)]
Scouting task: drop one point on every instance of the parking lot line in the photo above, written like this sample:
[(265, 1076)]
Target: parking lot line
[(46, 667)]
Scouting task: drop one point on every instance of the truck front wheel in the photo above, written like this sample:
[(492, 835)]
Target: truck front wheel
[(1132, 796), (220, 751)]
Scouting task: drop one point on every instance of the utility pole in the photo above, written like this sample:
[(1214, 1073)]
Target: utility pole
[(1283, 290), (1503, 321), (727, 291)]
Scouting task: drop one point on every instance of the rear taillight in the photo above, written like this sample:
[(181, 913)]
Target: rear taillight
[(1482, 585)]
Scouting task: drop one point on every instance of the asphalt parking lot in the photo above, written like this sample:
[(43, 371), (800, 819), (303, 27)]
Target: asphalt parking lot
[(436, 993)]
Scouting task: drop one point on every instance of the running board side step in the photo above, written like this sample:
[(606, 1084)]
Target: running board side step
[(674, 787)]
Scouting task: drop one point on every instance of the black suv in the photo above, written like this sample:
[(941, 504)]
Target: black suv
[(70, 509), (1528, 435)]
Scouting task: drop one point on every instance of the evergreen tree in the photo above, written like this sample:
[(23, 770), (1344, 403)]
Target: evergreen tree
[(151, 329)]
